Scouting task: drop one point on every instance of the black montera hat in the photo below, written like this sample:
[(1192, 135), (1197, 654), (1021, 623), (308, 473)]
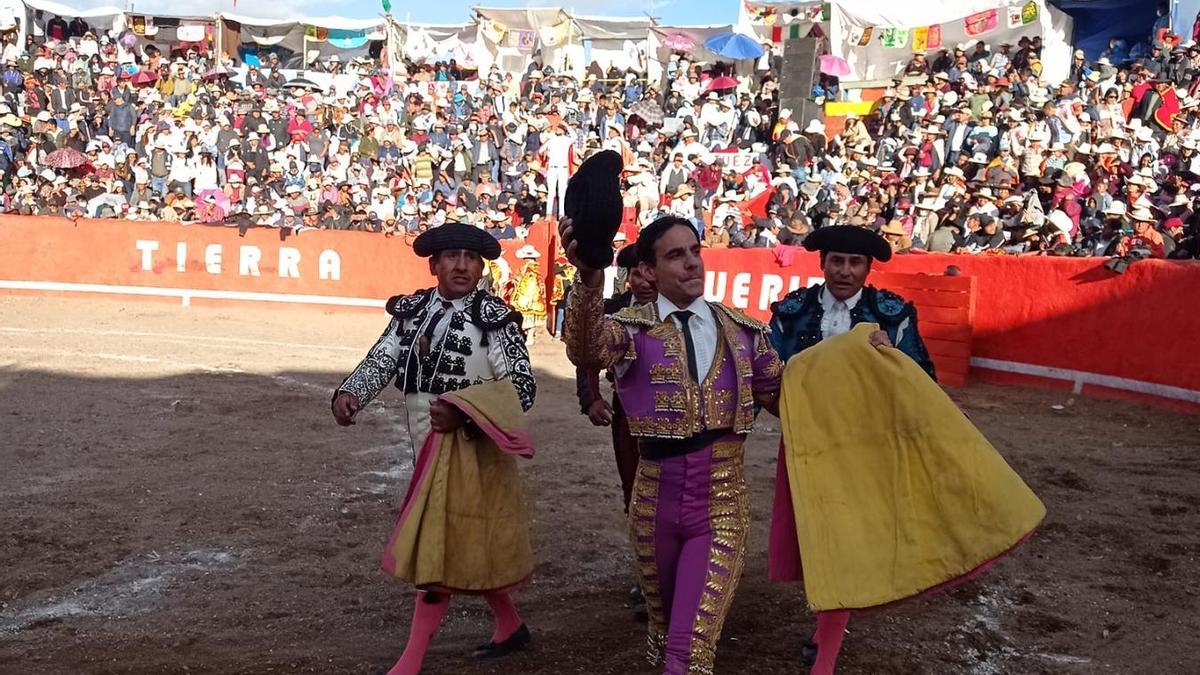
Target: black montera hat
[(452, 236), (593, 203), (849, 239)]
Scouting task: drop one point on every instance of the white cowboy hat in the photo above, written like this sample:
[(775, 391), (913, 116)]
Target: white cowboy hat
[(1141, 213), (1115, 209), (527, 252), (1060, 220)]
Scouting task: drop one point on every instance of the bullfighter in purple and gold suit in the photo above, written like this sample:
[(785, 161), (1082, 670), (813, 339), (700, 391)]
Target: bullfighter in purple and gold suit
[(689, 374)]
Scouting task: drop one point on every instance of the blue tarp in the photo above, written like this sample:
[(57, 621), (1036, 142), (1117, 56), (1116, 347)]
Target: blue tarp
[(1098, 21)]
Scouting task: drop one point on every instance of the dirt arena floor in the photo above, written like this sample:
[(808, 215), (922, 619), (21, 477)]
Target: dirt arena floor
[(176, 498)]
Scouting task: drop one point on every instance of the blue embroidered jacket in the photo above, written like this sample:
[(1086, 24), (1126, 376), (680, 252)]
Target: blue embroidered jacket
[(796, 322)]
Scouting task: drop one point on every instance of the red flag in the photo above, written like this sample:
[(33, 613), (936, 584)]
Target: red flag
[(756, 207), (543, 235), (1168, 110)]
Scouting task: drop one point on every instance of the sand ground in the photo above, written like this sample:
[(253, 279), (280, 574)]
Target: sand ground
[(176, 498)]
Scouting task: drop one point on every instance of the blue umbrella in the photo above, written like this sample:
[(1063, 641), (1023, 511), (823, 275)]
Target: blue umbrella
[(734, 46)]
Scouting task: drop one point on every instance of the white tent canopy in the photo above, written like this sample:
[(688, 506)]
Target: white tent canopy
[(849, 20)]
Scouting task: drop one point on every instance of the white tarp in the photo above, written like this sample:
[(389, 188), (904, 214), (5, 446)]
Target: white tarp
[(20, 14), (527, 18), (612, 41), (331, 22), (613, 28), (442, 42), (70, 12), (849, 20)]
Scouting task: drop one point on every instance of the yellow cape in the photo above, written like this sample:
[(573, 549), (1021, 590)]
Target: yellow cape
[(464, 526), (895, 492)]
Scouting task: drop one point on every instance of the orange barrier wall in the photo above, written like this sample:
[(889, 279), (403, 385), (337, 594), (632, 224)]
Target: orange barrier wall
[(1065, 321), (328, 267), (1061, 321)]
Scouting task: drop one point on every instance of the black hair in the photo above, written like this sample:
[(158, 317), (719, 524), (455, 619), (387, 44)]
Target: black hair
[(650, 235), (824, 254)]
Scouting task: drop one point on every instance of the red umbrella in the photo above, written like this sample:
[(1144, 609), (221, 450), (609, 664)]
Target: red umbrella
[(719, 83), (66, 158), (144, 78)]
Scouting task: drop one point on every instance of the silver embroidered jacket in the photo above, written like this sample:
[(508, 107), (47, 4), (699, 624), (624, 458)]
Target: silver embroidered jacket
[(481, 340)]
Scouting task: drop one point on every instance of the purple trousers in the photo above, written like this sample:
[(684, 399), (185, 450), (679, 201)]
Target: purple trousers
[(689, 520)]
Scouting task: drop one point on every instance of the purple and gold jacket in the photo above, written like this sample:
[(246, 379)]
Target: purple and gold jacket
[(659, 398)]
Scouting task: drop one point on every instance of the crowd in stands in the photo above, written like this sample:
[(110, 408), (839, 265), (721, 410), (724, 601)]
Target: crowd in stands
[(970, 151)]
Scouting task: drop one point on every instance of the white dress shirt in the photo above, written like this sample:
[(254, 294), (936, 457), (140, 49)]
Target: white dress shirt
[(703, 326), (836, 318)]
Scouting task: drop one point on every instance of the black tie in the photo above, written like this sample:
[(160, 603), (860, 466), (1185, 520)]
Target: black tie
[(694, 370), (427, 336)]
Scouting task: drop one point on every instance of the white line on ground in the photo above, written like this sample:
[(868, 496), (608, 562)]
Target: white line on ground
[(186, 294), (179, 337), (127, 358)]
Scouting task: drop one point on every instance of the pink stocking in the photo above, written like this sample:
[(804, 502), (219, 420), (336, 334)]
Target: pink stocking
[(427, 616), (831, 627), (507, 619)]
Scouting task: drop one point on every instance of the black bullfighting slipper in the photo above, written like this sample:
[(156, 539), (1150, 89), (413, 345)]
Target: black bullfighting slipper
[(637, 602), (808, 654), (516, 642)]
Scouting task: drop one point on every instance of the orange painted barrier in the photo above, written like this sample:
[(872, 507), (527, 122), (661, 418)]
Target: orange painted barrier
[(1061, 322), (1064, 322), (353, 269)]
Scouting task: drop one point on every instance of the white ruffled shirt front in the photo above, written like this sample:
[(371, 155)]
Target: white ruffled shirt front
[(836, 318)]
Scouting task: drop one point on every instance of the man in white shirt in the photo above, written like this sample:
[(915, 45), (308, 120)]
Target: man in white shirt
[(558, 153)]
